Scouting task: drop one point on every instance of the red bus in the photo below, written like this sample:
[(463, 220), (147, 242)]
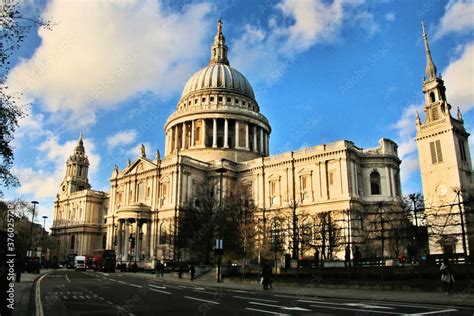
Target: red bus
[(104, 260)]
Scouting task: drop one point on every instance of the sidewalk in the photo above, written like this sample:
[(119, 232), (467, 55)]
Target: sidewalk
[(419, 297), (24, 302)]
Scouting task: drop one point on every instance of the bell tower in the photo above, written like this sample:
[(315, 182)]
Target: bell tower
[(77, 168), (445, 164)]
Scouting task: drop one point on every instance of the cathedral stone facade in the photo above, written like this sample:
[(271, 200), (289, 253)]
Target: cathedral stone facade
[(218, 132)]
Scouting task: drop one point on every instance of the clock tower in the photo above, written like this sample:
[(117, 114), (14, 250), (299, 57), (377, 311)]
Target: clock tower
[(445, 165), (77, 169)]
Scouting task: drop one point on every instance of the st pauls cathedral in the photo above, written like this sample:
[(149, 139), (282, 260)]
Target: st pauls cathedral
[(218, 131)]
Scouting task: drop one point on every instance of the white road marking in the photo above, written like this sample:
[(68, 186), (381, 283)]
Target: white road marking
[(354, 309), (307, 301), (74, 297), (282, 307), (109, 302), (199, 299), (68, 278), (135, 285), (106, 274), (81, 297), (264, 311), (364, 305), (122, 282), (436, 312), (206, 292), (164, 292), (64, 297), (158, 286), (256, 299)]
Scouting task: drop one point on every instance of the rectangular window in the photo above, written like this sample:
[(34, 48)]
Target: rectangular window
[(434, 113), (304, 187), (272, 192), (462, 149), (436, 152)]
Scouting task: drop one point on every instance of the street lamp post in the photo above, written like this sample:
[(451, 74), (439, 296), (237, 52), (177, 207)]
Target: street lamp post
[(42, 238), (31, 227), (219, 248)]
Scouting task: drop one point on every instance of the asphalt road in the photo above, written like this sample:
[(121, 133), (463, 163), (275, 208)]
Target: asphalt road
[(67, 292)]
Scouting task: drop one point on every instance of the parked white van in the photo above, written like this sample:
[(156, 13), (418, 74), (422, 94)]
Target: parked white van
[(80, 263)]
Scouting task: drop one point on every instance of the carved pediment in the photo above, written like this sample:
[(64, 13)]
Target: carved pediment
[(140, 165), (305, 171), (274, 176)]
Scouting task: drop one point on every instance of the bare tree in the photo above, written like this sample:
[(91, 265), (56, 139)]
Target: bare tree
[(14, 27)]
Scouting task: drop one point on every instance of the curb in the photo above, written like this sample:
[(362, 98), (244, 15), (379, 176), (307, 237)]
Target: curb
[(32, 308)]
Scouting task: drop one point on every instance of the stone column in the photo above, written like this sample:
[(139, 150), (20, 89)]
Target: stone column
[(148, 240), (137, 239), (247, 136), (175, 138), (261, 142), (255, 138), (237, 141), (183, 136), (191, 145), (119, 239), (214, 133), (203, 133), (226, 133), (126, 241), (267, 146)]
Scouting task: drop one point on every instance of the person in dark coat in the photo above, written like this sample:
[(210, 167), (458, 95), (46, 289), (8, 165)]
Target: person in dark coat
[(347, 257), (192, 271), (266, 276), (19, 265), (447, 275), (357, 256)]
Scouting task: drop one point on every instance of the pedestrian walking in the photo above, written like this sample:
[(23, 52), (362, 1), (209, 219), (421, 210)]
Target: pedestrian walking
[(357, 256), (192, 271), (266, 276), (316, 258), (157, 268), (347, 257), (447, 276)]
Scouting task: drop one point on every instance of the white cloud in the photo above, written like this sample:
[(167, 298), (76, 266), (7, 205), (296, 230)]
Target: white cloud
[(43, 181), (458, 17), (265, 54), (100, 53), (390, 16), (121, 138), (407, 147), (459, 78)]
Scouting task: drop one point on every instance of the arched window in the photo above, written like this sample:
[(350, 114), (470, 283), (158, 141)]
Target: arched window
[(73, 242), (432, 97), (163, 234), (375, 183)]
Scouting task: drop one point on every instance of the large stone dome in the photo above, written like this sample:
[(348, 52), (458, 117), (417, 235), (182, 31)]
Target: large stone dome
[(217, 116), (218, 76)]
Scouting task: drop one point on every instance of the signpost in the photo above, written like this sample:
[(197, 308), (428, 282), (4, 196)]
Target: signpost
[(219, 251)]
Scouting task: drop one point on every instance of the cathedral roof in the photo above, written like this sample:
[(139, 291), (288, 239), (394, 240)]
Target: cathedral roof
[(218, 74)]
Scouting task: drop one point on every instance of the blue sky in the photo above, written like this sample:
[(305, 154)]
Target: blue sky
[(321, 70)]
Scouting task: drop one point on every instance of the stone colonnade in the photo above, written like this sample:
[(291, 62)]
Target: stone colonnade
[(217, 133), (124, 236)]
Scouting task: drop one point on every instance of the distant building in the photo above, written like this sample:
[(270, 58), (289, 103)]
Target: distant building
[(78, 210), (445, 165)]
